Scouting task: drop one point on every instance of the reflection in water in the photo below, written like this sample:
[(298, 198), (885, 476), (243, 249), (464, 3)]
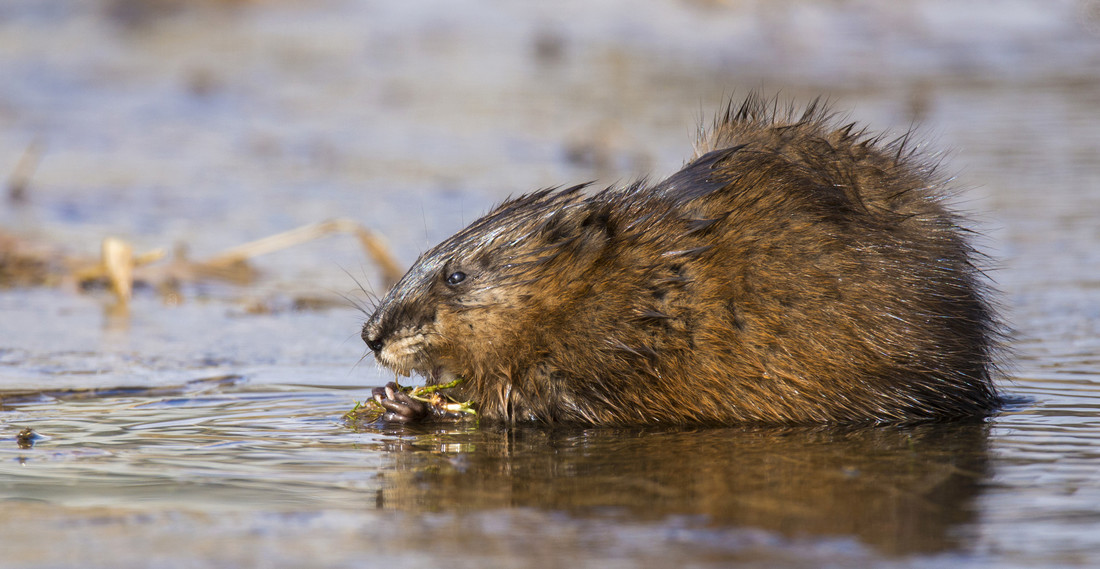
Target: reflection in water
[(899, 489), (224, 451)]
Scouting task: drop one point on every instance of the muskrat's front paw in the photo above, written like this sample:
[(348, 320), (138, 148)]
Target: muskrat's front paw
[(398, 405)]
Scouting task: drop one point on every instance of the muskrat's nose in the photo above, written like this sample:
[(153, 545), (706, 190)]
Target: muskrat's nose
[(373, 341)]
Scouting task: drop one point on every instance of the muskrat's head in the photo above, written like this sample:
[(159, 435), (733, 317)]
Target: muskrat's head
[(481, 297)]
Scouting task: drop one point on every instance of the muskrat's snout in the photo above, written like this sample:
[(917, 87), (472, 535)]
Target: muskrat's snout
[(398, 342), (372, 335), (375, 344)]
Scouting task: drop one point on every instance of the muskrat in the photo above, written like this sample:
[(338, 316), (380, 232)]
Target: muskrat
[(794, 271)]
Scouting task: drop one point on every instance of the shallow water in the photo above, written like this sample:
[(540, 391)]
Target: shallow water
[(206, 434)]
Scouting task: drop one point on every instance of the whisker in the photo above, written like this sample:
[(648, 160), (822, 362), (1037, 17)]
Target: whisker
[(355, 366), (369, 305)]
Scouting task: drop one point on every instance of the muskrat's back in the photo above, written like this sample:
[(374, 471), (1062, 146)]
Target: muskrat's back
[(791, 272)]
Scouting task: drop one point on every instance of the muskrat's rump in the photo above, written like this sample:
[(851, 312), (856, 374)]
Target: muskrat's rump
[(793, 271)]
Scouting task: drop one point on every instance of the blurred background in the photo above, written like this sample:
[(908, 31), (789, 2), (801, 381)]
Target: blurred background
[(202, 124), (212, 123)]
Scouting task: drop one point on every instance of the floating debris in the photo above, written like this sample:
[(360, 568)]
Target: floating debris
[(25, 439), (374, 246), (27, 264), (23, 263)]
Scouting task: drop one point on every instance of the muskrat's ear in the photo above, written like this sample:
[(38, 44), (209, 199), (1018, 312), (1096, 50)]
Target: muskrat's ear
[(599, 221), (559, 227), (591, 221)]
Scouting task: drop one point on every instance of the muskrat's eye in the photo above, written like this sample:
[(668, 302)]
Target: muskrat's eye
[(456, 278)]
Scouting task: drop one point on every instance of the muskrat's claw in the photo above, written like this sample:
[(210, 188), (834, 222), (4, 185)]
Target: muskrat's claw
[(399, 406)]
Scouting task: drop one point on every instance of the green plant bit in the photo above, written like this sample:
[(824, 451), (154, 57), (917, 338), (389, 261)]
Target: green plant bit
[(420, 392), (370, 410), (429, 394), (367, 411)]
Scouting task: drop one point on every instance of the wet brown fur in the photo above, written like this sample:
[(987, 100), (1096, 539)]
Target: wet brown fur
[(793, 271)]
